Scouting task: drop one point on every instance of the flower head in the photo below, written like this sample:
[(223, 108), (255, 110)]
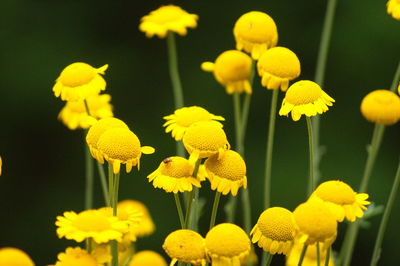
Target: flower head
[(74, 114), (315, 223), (232, 70), (310, 258), (277, 66), (381, 107), (79, 81), (94, 224), (342, 200), (14, 257), (183, 118), (185, 246), (255, 32), (174, 174), (121, 146), (227, 244), (393, 8), (226, 173), (147, 257), (76, 257), (305, 97), (167, 18), (146, 225), (203, 139), (275, 230)]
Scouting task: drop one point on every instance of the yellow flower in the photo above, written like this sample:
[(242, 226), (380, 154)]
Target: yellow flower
[(275, 230), (185, 246), (203, 139), (254, 33), (147, 257), (381, 107), (305, 97), (97, 130), (174, 175), (121, 146), (102, 252), (227, 245), (315, 223), (90, 224), (167, 18), (310, 258), (232, 70), (146, 225), (14, 257), (76, 257), (183, 118), (277, 66), (342, 200), (79, 81), (74, 114), (226, 173), (393, 8)]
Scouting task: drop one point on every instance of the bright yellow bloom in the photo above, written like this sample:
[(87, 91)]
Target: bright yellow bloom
[(315, 223), (79, 81), (310, 259), (102, 252), (94, 224), (255, 32), (227, 172), (146, 225), (121, 146), (305, 97), (381, 107), (76, 257), (277, 66), (174, 174), (393, 8), (342, 200), (227, 245), (147, 257), (183, 118), (275, 230), (232, 70), (185, 246), (74, 114), (203, 139), (167, 18), (14, 257)]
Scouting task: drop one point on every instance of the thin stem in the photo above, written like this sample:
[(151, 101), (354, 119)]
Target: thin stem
[(89, 245), (385, 218), (311, 181), (318, 254), (269, 149), (113, 184), (191, 197), (114, 252), (215, 209), (267, 258), (110, 185), (396, 79), (89, 179), (302, 255), (103, 182), (116, 188), (327, 257), (246, 210), (173, 70), (180, 150), (245, 115), (179, 208)]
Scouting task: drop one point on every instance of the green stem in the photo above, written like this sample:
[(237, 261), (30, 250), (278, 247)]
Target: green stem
[(113, 184), (302, 255), (269, 149), (180, 150), (103, 182), (179, 208), (89, 245), (245, 115), (246, 210), (327, 257), (215, 209), (311, 181), (382, 227), (173, 70), (110, 185), (89, 179), (267, 258), (114, 252), (318, 254), (191, 197), (116, 188), (396, 79)]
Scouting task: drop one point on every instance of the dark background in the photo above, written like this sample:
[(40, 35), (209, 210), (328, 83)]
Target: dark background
[(43, 162)]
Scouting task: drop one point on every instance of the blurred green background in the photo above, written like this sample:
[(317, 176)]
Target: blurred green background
[(43, 161)]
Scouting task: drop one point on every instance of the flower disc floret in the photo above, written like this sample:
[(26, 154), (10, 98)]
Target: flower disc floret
[(79, 81), (14, 257), (342, 200), (255, 32), (275, 230), (183, 118), (393, 8), (232, 70), (315, 223), (277, 66), (167, 18), (146, 225), (227, 173), (76, 257), (227, 245), (381, 107), (185, 246), (121, 146), (147, 257), (305, 97)]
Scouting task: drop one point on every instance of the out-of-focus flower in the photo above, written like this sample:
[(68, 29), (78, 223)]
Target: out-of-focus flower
[(381, 107)]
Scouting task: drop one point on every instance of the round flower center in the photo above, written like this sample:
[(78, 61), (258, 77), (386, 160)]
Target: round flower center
[(187, 116), (277, 224), (303, 92), (177, 167), (384, 97), (119, 143), (185, 245), (77, 74), (281, 62), (90, 221), (232, 66), (256, 27), (166, 14), (336, 192), (14, 256), (230, 166), (205, 136), (100, 127), (147, 257), (77, 257)]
